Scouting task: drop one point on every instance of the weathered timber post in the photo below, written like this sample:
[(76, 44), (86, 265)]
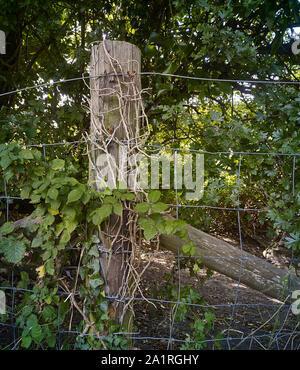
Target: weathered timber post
[(114, 121)]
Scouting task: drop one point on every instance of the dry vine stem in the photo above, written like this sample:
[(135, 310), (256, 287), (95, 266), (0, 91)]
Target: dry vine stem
[(119, 129)]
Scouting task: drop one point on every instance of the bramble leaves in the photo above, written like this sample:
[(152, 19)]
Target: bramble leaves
[(57, 164), (75, 194), (7, 228), (142, 207), (154, 196), (13, 250)]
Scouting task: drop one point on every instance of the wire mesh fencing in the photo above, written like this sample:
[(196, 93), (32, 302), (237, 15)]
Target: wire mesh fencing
[(271, 324)]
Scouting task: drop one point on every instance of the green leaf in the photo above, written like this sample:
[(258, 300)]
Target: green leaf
[(26, 154), (149, 232), (46, 255), (66, 236), (157, 217), (25, 191), (5, 162), (69, 212), (95, 283), (159, 207), (49, 313), (36, 242), (86, 197), (101, 213), (51, 341), (142, 207), (14, 251), (118, 209), (154, 196), (75, 194), (49, 267), (35, 198), (59, 228), (26, 341), (54, 204), (52, 193), (104, 306), (70, 225), (48, 220), (109, 200), (186, 248), (128, 196), (7, 228), (144, 221), (169, 227), (32, 320), (57, 164), (37, 333), (93, 251)]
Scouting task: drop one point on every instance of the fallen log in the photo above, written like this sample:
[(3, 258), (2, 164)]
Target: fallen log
[(27, 221), (239, 265)]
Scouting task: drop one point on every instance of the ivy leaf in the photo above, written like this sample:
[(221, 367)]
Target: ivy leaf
[(93, 251), (96, 282), (149, 227)]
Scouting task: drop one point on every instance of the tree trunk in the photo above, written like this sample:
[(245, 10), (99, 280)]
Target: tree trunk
[(226, 259)]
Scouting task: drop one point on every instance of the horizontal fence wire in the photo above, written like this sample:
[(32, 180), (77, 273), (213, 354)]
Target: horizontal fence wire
[(205, 79), (228, 340)]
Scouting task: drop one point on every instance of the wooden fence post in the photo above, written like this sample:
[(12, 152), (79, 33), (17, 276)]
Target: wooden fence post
[(114, 119)]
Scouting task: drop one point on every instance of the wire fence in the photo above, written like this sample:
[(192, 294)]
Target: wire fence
[(283, 332)]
